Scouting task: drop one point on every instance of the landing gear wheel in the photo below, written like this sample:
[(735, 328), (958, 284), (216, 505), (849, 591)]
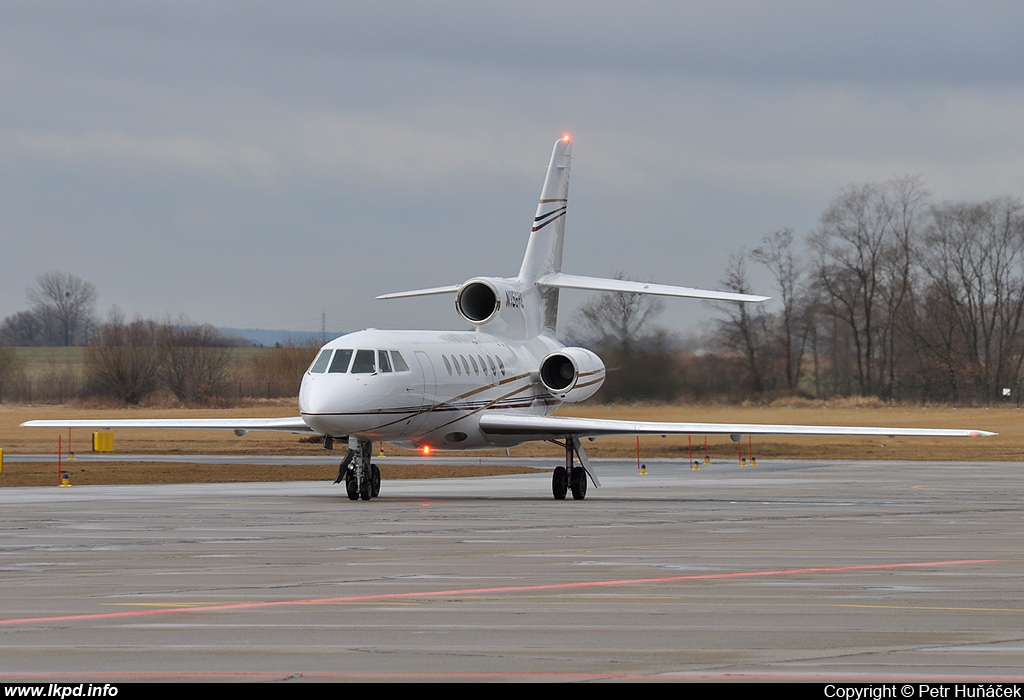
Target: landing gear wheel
[(374, 480), (366, 490), (350, 486), (560, 483), (578, 483)]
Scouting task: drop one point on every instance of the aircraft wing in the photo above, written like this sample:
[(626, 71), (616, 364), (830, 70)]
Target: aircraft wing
[(544, 427), (240, 425), (600, 284)]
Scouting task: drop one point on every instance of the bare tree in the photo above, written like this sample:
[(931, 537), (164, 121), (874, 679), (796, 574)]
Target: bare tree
[(864, 250), (976, 267), (24, 329), (777, 255), (616, 321), (196, 361), (65, 304), (744, 330), (638, 354), (123, 360)]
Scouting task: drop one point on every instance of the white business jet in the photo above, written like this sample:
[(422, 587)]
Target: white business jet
[(496, 385)]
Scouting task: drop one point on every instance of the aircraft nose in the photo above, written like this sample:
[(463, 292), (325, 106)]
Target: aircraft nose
[(314, 398)]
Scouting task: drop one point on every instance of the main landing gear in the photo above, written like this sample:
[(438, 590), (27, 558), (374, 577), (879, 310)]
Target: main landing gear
[(362, 479), (570, 477)]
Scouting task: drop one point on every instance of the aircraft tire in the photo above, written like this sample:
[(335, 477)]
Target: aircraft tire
[(578, 483), (350, 487), (560, 483), (374, 480)]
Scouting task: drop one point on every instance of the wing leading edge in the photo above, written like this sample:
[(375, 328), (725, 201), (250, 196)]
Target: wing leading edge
[(543, 427), (239, 425)]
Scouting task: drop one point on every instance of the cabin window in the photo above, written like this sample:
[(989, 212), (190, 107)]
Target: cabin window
[(340, 363), (320, 364), (483, 365), (490, 361), (458, 370), (399, 362), (501, 365), (383, 361), (447, 364), (465, 365), (363, 363), (476, 370)]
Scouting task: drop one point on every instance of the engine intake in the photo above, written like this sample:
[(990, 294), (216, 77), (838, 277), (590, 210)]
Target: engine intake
[(572, 374), (478, 301)]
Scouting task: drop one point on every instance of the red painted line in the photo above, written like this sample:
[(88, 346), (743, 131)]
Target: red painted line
[(486, 591)]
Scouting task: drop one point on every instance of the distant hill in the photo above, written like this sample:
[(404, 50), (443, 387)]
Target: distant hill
[(268, 339)]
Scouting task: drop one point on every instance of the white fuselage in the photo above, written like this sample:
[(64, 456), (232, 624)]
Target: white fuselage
[(431, 394)]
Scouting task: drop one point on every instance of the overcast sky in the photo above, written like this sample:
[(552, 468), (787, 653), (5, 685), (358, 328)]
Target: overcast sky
[(256, 164)]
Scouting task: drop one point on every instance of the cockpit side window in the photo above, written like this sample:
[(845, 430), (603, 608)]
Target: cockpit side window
[(399, 362), (382, 361), (340, 363), (320, 364), (364, 363)]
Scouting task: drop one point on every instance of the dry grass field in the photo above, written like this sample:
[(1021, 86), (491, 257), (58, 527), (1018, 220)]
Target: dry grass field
[(1007, 421)]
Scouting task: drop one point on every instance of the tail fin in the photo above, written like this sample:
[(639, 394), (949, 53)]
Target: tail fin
[(544, 249), (528, 305)]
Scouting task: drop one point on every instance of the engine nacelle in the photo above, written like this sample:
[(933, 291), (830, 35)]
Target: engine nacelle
[(492, 300), (572, 374)]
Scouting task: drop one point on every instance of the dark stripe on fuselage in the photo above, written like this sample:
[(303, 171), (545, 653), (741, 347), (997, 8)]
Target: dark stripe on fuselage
[(444, 406)]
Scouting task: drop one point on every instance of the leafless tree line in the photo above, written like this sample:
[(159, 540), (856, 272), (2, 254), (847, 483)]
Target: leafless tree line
[(130, 360), (61, 313), (895, 296)]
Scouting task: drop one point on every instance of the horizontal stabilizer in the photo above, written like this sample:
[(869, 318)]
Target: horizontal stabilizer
[(600, 284), (544, 427), (450, 289)]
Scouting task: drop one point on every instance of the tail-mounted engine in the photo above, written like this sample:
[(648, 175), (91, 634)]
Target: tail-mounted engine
[(491, 300), (572, 374)]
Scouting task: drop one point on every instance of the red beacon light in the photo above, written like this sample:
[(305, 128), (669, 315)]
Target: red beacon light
[(426, 450), (566, 137)]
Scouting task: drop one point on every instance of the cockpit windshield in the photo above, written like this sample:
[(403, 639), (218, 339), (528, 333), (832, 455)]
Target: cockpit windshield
[(339, 365), (365, 362), (320, 363)]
